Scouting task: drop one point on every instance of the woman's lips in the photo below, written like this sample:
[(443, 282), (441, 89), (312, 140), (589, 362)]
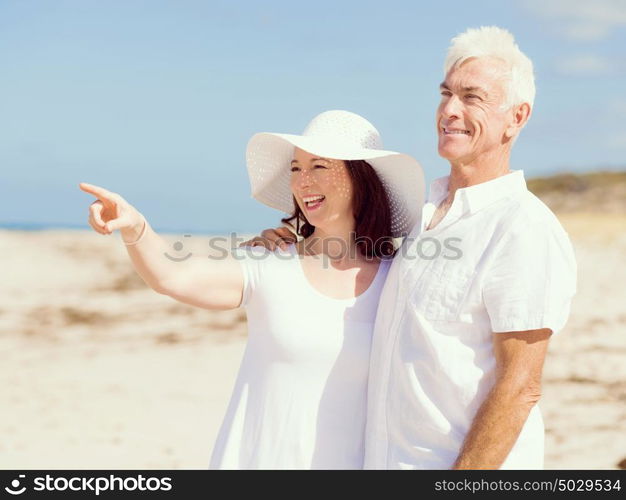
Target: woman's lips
[(313, 202)]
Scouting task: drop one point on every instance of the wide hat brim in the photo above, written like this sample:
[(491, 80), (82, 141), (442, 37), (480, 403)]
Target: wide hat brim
[(269, 155)]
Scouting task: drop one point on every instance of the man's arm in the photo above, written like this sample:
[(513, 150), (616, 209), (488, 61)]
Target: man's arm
[(499, 420)]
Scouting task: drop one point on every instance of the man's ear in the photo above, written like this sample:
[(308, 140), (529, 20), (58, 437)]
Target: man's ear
[(521, 114)]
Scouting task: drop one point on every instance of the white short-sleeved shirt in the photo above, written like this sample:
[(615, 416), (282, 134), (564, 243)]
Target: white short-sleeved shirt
[(499, 261), (299, 401)]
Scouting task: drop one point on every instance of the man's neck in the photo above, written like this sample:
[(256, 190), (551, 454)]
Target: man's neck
[(466, 175)]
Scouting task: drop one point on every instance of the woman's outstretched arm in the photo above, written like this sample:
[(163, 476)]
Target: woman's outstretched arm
[(198, 280)]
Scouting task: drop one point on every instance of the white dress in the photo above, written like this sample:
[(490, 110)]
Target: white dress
[(299, 401)]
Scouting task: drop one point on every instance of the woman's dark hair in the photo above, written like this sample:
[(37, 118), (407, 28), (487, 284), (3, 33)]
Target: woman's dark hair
[(370, 206)]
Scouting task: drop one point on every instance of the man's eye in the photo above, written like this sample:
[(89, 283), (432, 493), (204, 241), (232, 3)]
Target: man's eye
[(472, 96), (447, 93)]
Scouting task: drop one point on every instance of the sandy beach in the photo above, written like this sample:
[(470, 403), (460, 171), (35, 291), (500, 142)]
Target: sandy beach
[(99, 371)]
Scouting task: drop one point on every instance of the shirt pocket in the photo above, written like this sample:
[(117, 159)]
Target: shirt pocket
[(441, 291)]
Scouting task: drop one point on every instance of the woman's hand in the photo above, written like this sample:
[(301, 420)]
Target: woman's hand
[(110, 212)]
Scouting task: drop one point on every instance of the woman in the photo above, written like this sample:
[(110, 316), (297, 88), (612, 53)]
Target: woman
[(300, 396)]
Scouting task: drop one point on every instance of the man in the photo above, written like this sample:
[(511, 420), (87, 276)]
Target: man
[(461, 336)]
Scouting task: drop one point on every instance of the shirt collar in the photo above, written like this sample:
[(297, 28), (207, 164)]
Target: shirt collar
[(438, 190), (477, 197)]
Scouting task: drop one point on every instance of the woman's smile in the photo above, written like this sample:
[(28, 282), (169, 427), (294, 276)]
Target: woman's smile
[(313, 202)]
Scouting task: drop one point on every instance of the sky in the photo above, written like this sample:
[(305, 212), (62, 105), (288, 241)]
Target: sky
[(156, 100)]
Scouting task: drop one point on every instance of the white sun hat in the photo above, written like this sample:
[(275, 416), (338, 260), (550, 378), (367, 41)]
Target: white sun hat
[(339, 135)]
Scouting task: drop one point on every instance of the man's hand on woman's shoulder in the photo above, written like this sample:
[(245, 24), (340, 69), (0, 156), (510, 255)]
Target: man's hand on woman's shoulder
[(272, 239)]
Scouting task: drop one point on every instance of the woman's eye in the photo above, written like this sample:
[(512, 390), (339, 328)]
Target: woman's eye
[(295, 169), (319, 166)]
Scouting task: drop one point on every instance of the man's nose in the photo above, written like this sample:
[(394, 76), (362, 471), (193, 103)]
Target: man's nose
[(451, 107)]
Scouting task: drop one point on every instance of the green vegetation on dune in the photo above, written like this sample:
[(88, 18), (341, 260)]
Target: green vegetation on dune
[(588, 192), (575, 183)]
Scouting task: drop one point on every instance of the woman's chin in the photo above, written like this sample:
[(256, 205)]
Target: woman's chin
[(315, 214)]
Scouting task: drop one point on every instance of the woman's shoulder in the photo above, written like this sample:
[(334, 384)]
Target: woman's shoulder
[(265, 271), (262, 252), (261, 258)]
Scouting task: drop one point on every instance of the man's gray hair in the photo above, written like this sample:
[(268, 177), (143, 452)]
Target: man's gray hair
[(491, 41)]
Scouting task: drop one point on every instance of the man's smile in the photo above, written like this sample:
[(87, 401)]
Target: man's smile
[(455, 131)]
